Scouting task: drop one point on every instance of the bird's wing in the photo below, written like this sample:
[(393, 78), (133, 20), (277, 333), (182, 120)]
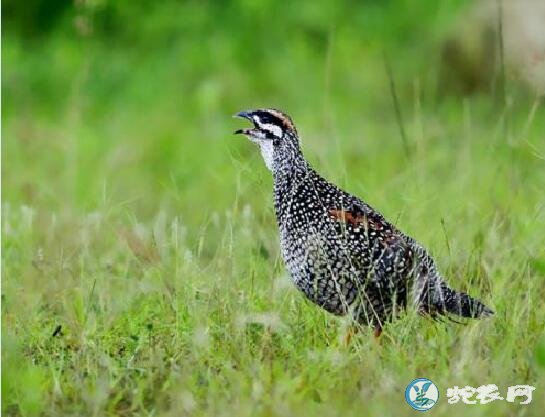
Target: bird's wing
[(359, 215), (365, 227), (381, 255), (373, 240)]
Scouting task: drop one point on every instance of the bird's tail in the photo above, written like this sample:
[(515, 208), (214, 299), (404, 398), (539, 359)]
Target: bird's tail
[(435, 298), (442, 300)]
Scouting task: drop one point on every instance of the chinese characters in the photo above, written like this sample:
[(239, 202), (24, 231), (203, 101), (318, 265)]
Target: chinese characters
[(487, 393)]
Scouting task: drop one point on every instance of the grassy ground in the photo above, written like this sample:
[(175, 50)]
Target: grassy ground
[(140, 261)]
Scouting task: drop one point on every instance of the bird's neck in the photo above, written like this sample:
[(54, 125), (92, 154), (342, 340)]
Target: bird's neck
[(288, 167), (288, 176)]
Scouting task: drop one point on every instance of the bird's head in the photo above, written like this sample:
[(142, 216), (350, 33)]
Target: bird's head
[(275, 134)]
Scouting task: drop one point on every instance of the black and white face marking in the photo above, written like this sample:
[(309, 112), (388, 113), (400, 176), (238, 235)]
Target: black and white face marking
[(272, 131), (268, 124)]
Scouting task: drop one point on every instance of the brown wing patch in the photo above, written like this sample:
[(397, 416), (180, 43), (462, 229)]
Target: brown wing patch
[(386, 234), (359, 220), (348, 217)]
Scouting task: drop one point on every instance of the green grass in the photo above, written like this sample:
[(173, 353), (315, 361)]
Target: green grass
[(133, 219)]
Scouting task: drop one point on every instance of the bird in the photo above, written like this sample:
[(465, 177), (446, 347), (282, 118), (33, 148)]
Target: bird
[(341, 253)]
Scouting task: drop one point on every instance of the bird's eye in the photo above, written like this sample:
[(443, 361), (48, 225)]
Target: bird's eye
[(266, 118)]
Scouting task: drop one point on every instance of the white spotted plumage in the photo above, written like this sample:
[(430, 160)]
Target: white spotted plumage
[(341, 253)]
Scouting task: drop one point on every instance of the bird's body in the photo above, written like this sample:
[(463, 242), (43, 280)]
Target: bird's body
[(341, 253)]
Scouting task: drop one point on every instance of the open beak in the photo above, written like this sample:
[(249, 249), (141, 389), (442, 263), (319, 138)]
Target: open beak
[(244, 115)]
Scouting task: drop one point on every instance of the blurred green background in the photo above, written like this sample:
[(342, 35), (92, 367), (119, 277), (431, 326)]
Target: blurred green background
[(125, 100), (135, 221)]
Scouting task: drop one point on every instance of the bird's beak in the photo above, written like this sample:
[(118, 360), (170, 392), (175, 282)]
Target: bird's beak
[(244, 115)]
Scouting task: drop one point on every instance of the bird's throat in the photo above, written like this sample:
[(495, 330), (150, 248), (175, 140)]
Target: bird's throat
[(267, 152)]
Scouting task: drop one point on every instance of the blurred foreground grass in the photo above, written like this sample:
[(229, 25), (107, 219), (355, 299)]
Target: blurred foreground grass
[(132, 219)]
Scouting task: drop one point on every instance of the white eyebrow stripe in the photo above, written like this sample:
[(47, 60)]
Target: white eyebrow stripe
[(275, 130)]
